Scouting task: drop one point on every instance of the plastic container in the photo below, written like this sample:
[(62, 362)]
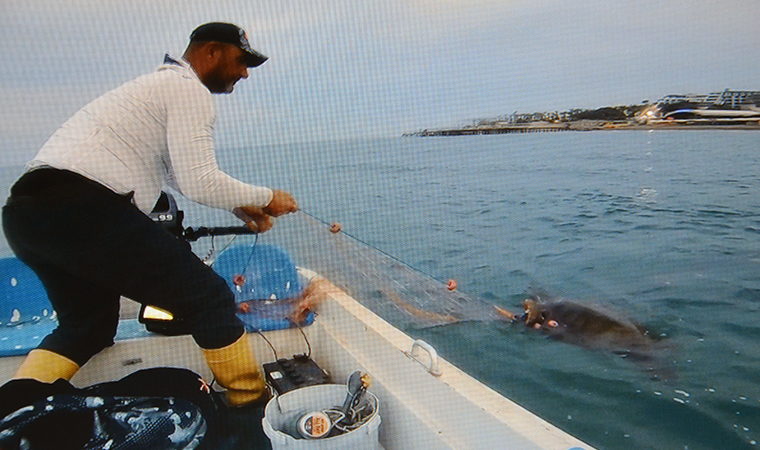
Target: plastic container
[(264, 279), (283, 410)]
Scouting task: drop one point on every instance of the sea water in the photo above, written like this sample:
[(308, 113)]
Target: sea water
[(661, 227)]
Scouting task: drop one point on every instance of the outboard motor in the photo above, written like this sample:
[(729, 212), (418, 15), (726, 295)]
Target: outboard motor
[(167, 214)]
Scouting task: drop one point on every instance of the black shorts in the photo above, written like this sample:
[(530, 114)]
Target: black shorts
[(89, 246)]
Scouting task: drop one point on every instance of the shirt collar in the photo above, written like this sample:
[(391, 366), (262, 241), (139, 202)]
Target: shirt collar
[(170, 61)]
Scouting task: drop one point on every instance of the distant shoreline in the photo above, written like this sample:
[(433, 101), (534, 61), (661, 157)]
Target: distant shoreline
[(581, 125)]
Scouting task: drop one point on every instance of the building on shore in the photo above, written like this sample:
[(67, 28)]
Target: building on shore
[(717, 108), (726, 99)]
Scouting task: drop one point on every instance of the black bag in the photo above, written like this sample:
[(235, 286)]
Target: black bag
[(161, 408)]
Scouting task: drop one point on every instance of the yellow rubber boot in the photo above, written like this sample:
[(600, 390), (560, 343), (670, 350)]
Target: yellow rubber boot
[(46, 366), (236, 370)]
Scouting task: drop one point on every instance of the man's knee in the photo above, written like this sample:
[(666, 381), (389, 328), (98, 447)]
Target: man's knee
[(216, 324), (78, 348), (82, 342)]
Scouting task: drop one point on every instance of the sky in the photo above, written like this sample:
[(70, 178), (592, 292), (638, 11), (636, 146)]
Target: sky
[(342, 69)]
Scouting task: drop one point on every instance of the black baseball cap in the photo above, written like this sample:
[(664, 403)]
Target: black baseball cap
[(228, 33)]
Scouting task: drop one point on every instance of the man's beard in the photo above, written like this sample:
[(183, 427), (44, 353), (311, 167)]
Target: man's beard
[(221, 88), (217, 84)]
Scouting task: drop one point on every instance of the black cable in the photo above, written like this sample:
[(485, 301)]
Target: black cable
[(270, 344), (308, 345)]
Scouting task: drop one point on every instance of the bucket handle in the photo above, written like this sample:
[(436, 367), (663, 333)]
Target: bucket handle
[(414, 353)]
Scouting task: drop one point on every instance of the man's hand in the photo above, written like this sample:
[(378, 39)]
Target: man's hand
[(254, 218), (262, 219), (282, 203)]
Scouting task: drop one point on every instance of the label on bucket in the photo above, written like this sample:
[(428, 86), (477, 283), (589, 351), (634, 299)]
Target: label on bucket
[(314, 425)]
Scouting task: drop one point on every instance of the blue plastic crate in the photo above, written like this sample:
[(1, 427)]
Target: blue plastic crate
[(266, 279)]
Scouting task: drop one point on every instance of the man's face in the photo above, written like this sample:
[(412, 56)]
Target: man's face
[(229, 67)]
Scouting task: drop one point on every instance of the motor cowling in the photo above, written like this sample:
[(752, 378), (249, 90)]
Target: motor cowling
[(167, 214)]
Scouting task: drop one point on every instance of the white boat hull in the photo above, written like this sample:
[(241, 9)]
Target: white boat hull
[(419, 410)]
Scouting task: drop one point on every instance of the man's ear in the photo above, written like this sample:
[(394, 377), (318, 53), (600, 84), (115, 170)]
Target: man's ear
[(213, 50)]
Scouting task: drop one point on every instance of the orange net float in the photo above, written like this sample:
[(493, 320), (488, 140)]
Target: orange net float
[(335, 228), (451, 285)]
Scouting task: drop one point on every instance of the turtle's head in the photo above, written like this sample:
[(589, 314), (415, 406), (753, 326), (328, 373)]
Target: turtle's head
[(535, 312)]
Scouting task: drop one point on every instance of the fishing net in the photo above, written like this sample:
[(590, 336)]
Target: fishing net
[(392, 289)]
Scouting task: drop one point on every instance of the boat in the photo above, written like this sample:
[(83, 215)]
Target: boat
[(424, 401)]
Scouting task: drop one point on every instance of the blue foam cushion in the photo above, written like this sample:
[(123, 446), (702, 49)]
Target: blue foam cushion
[(22, 296), (26, 315)]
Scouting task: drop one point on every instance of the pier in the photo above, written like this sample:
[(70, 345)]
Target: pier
[(553, 128), (505, 129)]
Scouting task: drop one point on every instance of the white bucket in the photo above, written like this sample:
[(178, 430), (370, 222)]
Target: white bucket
[(282, 410)]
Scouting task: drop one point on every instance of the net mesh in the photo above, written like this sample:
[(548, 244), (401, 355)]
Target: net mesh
[(404, 296)]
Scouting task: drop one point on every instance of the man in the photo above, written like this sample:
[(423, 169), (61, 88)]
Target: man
[(77, 217)]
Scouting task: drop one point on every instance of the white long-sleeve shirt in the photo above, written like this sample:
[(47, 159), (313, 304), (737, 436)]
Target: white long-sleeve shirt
[(153, 130)]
